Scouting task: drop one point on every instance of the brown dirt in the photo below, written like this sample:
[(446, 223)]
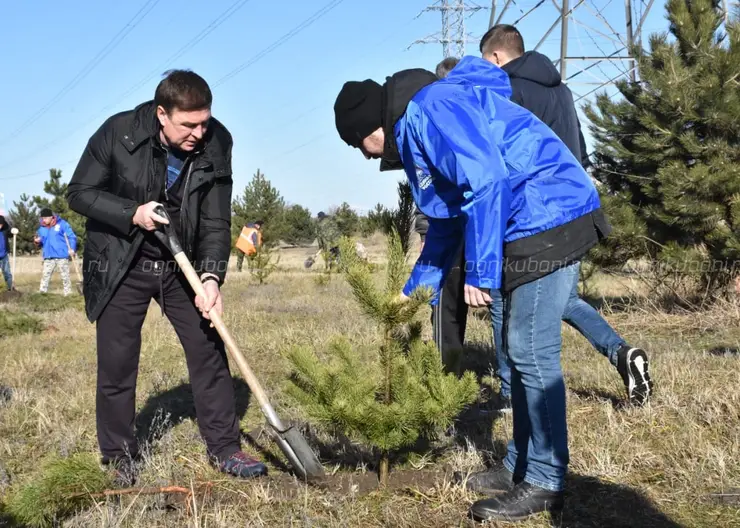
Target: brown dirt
[(10, 296)]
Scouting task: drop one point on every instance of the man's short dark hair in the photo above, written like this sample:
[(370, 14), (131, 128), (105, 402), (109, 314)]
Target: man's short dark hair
[(446, 66), (502, 37), (183, 90)]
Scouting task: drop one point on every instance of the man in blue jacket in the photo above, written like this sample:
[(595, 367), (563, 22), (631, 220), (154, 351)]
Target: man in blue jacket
[(485, 169), (4, 251), (536, 85), (58, 242)]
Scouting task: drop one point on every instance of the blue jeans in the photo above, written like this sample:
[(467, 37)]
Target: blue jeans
[(5, 268), (532, 341), (578, 314)]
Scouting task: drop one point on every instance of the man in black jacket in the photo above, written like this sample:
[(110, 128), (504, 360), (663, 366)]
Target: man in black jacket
[(536, 85), (172, 152)]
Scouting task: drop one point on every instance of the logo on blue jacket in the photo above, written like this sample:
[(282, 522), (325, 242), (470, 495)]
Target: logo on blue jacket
[(424, 179)]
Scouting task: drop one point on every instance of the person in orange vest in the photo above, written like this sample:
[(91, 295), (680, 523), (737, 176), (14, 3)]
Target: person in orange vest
[(249, 240)]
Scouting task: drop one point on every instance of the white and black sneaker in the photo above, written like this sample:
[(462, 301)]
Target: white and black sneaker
[(632, 365)]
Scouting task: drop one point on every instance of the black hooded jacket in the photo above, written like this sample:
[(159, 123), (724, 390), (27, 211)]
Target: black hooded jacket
[(537, 86)]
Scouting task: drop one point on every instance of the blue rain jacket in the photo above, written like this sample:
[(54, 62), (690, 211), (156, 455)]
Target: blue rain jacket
[(52, 240), (482, 167)]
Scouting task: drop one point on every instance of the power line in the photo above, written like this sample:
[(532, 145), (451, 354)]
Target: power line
[(282, 40), (223, 17), (89, 67), (36, 173)]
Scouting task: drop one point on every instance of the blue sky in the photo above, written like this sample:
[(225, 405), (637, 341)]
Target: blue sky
[(75, 63)]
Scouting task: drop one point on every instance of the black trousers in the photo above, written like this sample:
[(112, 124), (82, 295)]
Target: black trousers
[(450, 316), (119, 347)]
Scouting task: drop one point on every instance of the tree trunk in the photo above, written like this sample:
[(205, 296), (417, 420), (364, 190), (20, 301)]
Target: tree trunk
[(384, 470)]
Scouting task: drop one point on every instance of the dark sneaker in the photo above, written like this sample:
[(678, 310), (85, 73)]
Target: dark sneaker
[(495, 480), (243, 466), (518, 504), (632, 365)]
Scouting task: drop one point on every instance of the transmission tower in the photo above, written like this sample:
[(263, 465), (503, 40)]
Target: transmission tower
[(453, 36), (603, 32)]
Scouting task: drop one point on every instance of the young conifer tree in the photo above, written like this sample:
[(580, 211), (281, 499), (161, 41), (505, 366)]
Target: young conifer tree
[(399, 394)]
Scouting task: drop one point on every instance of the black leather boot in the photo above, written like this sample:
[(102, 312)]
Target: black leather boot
[(495, 480), (517, 504)]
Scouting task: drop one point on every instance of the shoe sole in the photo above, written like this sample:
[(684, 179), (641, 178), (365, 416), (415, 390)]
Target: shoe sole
[(553, 510), (639, 384)]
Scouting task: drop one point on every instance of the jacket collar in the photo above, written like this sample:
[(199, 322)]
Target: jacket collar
[(398, 91)]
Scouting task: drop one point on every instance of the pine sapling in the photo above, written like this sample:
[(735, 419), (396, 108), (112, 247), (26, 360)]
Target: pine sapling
[(398, 394), (263, 262)]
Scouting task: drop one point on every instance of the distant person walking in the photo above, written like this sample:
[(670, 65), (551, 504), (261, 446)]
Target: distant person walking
[(58, 244), (4, 253)]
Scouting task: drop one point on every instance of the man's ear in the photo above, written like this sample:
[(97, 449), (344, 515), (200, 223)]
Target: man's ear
[(161, 114)]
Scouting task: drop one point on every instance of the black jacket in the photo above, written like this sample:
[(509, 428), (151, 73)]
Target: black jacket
[(536, 85), (124, 166)]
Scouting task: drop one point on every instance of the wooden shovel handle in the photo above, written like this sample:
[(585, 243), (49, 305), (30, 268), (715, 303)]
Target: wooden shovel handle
[(231, 346)]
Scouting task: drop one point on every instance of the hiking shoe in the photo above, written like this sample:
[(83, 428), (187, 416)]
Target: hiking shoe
[(632, 365), (243, 466), (517, 504), (495, 480)]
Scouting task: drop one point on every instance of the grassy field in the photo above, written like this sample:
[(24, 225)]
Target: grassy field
[(674, 463)]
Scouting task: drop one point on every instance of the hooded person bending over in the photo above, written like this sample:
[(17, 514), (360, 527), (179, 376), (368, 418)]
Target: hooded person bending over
[(485, 169)]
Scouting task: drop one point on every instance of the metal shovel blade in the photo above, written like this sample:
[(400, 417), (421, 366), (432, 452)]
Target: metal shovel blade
[(299, 453)]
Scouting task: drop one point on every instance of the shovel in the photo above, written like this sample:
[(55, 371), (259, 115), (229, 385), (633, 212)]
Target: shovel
[(14, 232), (291, 442), (77, 267)]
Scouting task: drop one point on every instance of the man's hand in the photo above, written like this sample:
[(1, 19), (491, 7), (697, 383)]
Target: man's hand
[(37, 240), (477, 297), (212, 302), (146, 218)]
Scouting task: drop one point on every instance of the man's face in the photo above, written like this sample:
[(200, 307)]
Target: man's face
[(46, 220), (373, 145), (182, 129)]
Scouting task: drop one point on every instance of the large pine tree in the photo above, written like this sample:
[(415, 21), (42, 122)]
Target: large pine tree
[(260, 201), (668, 152)]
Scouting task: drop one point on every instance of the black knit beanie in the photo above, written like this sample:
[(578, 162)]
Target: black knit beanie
[(45, 212), (358, 111)]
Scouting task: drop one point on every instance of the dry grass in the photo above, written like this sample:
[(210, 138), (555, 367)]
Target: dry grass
[(651, 467)]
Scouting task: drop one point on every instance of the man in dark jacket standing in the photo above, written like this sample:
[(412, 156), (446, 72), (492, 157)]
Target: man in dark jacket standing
[(536, 85), (172, 152)]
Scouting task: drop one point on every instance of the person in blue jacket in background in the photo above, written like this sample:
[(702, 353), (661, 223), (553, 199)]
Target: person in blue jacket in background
[(486, 170), (55, 249)]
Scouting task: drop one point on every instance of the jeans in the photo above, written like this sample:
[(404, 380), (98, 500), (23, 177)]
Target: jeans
[(532, 341), (578, 314), (5, 267)]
